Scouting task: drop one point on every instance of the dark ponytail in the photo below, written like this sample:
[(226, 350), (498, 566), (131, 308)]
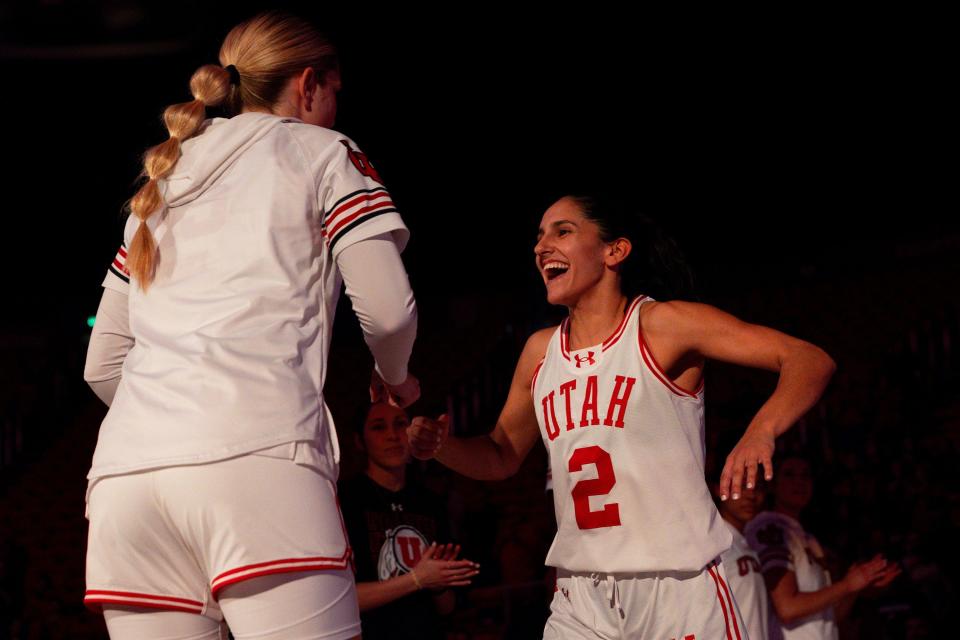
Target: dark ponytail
[(656, 266)]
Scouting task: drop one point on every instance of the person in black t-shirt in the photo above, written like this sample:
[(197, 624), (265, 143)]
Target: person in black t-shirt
[(403, 573)]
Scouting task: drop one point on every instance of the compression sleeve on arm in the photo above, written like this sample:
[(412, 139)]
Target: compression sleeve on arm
[(110, 341), (377, 285)]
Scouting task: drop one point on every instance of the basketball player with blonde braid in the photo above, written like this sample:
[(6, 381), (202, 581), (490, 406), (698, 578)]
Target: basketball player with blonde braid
[(210, 347)]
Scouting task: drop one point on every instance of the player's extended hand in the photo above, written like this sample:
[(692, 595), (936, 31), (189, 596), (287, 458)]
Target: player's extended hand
[(438, 569), (755, 448), (399, 395), (876, 572), (426, 436)]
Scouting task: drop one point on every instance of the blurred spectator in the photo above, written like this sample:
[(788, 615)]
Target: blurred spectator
[(405, 568)]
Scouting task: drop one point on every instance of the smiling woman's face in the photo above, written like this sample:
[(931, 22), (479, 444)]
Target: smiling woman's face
[(569, 252)]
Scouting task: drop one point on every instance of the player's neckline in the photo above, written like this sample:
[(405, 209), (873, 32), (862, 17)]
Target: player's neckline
[(606, 344)]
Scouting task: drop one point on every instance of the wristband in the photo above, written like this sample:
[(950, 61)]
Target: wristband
[(416, 580)]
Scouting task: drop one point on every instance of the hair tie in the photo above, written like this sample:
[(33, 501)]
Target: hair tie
[(234, 74)]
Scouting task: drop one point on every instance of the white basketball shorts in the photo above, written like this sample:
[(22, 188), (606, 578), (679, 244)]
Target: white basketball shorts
[(172, 538), (669, 605)]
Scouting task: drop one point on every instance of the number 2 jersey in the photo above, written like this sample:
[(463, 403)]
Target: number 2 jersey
[(627, 452)]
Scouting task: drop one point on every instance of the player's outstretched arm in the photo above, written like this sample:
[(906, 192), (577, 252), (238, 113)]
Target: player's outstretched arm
[(497, 455), (376, 283), (805, 369), (791, 604)]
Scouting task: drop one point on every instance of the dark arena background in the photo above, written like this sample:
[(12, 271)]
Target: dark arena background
[(800, 162)]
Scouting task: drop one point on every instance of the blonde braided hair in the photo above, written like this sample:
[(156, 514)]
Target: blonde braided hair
[(266, 50)]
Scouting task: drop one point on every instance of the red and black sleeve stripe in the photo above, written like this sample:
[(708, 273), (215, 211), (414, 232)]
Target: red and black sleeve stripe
[(354, 209)]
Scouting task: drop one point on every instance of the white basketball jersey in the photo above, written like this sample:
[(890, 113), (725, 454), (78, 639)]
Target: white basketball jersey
[(627, 452), (742, 567), (781, 543), (232, 336)]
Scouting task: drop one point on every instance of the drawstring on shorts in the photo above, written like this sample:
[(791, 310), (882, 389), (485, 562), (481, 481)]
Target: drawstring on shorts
[(613, 591)]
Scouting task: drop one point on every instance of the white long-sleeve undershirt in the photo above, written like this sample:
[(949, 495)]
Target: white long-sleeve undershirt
[(376, 283)]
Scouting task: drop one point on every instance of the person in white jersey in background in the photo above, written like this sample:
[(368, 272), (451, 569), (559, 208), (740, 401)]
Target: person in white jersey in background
[(741, 562), (806, 603), (212, 489), (617, 393)]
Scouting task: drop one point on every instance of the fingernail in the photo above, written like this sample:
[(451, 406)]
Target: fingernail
[(736, 496), (723, 497), (749, 485)]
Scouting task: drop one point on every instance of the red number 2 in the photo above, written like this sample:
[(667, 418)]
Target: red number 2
[(609, 516)]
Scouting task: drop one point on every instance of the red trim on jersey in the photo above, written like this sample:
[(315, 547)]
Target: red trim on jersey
[(723, 606), (329, 233), (611, 339), (382, 193), (122, 252), (536, 372), (733, 611), (564, 327), (609, 342), (657, 371), (370, 206), (95, 598), (120, 267)]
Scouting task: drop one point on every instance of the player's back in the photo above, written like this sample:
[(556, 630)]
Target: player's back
[(231, 337)]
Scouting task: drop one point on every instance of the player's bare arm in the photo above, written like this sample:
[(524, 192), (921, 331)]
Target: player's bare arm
[(682, 334), (497, 455), (791, 604)]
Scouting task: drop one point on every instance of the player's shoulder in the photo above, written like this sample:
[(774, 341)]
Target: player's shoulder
[(316, 140), (534, 351), (537, 343), (663, 315)]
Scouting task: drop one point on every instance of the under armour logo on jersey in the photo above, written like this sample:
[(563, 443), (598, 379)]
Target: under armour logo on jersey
[(361, 162), (588, 359)]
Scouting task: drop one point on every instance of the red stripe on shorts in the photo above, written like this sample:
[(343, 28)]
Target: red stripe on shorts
[(726, 620), (219, 583), (733, 611), (100, 597)]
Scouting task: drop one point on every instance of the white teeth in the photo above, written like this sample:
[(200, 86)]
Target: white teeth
[(556, 265)]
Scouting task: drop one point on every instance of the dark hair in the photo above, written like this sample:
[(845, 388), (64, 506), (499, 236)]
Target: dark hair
[(656, 266), (361, 415)]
